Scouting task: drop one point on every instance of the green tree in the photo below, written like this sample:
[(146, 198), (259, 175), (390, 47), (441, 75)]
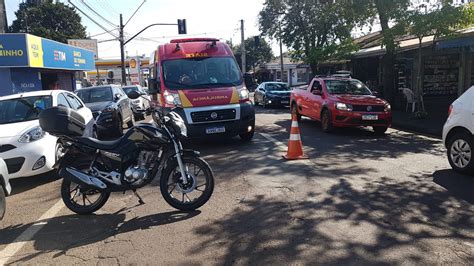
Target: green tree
[(392, 16), (443, 21), (256, 53), (48, 19), (314, 30)]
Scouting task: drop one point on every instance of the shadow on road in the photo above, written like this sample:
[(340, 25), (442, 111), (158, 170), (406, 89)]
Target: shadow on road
[(460, 186), (63, 233), (24, 184), (387, 222)]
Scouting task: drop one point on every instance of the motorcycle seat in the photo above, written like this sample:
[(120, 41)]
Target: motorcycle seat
[(100, 144)]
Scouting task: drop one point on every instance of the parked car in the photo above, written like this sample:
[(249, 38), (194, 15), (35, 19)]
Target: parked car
[(272, 94), (26, 149), (5, 188), (458, 133), (341, 102), (138, 105), (111, 108)]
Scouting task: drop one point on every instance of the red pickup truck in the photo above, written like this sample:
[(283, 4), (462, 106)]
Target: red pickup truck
[(341, 102)]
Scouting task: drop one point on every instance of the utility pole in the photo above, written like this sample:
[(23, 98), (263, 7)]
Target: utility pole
[(242, 46), (281, 54), (3, 17), (122, 51)]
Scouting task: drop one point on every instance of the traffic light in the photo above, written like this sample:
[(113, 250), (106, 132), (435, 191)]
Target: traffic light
[(182, 26)]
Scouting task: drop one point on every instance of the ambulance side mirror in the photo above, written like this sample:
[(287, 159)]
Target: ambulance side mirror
[(154, 86)]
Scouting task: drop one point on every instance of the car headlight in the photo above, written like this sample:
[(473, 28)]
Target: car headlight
[(243, 94), (172, 98), (343, 107), (387, 108), (109, 108), (31, 135)]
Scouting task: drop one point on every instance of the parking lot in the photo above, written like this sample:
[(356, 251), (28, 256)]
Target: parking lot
[(359, 199)]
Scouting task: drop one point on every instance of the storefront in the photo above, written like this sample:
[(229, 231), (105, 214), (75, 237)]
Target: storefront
[(31, 63)]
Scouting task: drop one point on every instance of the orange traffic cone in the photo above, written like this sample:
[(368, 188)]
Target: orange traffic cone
[(295, 146)]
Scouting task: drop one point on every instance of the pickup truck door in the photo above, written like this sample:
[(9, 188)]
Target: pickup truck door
[(315, 100)]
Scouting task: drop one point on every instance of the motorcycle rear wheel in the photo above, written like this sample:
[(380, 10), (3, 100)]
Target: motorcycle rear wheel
[(200, 184), (70, 192)]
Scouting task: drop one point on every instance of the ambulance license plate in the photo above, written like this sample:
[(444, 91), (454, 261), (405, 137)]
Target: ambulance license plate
[(370, 117), (215, 130)]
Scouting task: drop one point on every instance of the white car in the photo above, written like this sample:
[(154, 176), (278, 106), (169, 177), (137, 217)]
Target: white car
[(5, 188), (138, 105), (458, 133), (26, 149)]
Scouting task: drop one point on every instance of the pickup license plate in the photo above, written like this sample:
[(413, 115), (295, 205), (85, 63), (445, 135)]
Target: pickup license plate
[(370, 117), (215, 130)]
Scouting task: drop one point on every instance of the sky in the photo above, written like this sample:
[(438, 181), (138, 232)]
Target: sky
[(204, 18)]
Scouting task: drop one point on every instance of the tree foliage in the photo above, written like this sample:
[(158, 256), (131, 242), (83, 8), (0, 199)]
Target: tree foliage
[(52, 20), (315, 30), (255, 54)]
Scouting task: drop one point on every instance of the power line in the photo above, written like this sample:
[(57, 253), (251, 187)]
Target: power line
[(106, 9), (95, 12), (134, 13), (105, 32), (98, 24)]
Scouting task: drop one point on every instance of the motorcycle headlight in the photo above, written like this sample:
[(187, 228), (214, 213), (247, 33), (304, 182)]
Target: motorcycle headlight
[(243, 94), (31, 135), (387, 107), (343, 107), (178, 124), (172, 98)]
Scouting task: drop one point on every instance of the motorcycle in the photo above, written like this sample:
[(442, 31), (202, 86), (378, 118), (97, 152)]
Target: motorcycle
[(92, 169), (5, 187)]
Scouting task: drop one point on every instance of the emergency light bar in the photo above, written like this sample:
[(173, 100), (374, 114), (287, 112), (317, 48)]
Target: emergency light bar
[(194, 40)]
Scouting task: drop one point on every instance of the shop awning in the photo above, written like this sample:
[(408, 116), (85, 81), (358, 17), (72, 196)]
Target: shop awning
[(25, 50)]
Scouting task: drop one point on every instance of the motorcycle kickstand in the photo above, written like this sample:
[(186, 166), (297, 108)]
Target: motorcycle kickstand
[(140, 200)]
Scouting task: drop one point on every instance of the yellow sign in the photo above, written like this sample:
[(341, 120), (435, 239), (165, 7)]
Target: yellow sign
[(35, 51), (197, 55), (133, 63)]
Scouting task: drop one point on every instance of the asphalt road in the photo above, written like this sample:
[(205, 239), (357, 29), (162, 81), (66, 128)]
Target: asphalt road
[(359, 199)]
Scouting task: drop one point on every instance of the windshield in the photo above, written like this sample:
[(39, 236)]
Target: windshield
[(127, 90), (201, 72), (23, 109), (95, 95), (277, 87), (353, 87)]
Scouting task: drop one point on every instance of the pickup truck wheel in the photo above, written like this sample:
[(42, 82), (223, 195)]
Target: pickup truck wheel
[(294, 110), (326, 122)]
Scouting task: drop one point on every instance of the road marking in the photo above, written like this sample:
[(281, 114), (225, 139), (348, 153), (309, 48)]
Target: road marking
[(11, 249), (280, 144)]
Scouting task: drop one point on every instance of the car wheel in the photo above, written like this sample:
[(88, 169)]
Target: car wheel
[(460, 153), (59, 151), (2, 202), (380, 130), (326, 122), (120, 126), (131, 122), (294, 110)]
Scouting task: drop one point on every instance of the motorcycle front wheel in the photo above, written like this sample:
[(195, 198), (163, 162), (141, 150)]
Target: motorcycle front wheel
[(196, 192)]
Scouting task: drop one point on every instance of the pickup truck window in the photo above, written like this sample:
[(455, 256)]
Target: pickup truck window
[(353, 87)]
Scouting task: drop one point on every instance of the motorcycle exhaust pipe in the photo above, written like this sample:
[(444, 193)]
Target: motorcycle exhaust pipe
[(82, 178)]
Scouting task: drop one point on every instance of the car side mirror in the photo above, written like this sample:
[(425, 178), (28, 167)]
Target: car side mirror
[(154, 86), (375, 93), (118, 96), (133, 95)]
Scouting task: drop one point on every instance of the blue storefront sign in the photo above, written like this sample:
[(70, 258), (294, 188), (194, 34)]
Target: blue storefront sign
[(25, 50), (13, 52)]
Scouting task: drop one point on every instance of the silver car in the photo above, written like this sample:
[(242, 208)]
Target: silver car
[(5, 188)]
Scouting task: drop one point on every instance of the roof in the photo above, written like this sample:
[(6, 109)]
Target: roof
[(193, 49), (31, 93)]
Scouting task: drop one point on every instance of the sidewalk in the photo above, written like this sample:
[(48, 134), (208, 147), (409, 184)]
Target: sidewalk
[(431, 125)]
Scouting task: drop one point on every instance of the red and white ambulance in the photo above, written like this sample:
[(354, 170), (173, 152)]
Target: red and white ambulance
[(202, 76)]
